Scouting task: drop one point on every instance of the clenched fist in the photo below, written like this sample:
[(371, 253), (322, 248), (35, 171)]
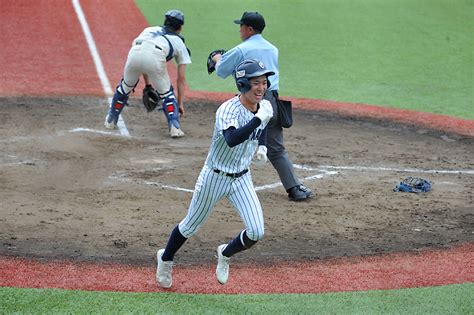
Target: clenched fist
[(265, 112)]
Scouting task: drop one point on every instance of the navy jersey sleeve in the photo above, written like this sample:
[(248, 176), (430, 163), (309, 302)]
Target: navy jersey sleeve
[(235, 136)]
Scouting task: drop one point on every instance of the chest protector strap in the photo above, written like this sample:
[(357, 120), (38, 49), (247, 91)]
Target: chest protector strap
[(167, 31)]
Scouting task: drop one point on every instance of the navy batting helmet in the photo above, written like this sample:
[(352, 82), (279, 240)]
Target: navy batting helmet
[(174, 18), (247, 69)]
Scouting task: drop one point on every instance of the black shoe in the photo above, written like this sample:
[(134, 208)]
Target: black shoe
[(299, 193)]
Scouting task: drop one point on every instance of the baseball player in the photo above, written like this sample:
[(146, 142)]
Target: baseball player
[(148, 56), (240, 128), (255, 46)]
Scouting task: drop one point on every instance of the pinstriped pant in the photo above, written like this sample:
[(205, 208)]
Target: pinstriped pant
[(212, 187)]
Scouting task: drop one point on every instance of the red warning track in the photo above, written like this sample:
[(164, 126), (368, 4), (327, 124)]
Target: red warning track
[(45, 53), (394, 271)]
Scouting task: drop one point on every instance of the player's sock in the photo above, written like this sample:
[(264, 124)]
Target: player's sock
[(175, 242), (239, 243)]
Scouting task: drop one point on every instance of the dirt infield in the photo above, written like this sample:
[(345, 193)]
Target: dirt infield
[(70, 190)]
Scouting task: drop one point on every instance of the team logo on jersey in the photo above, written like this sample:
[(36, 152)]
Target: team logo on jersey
[(156, 34)]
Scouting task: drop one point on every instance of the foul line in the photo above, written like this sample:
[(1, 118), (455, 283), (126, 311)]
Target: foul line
[(392, 169), (317, 176), (98, 62)]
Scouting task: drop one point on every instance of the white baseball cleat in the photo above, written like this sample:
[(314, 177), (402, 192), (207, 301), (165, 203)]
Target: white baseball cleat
[(109, 125), (176, 132), (163, 270), (222, 270)]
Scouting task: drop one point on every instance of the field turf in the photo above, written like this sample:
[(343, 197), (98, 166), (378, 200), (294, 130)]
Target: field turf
[(451, 299), (409, 54)]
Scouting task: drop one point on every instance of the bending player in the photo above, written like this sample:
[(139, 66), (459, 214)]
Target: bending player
[(240, 128), (148, 56)]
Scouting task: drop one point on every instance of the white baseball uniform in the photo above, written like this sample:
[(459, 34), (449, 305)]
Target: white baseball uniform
[(148, 55), (226, 174)]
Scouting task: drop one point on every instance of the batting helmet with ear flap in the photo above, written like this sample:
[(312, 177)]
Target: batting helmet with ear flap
[(248, 69)]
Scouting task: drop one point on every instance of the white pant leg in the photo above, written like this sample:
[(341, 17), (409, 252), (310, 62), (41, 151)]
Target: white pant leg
[(244, 198), (154, 65), (210, 188), (157, 72), (132, 70), (149, 60)]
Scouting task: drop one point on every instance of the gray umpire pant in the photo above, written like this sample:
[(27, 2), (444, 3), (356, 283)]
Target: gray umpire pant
[(276, 149)]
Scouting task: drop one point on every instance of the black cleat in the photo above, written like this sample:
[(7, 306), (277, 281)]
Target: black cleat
[(299, 193)]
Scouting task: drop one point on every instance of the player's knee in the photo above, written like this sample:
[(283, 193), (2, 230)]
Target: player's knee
[(251, 237), (186, 230), (168, 98), (125, 88), (121, 96), (276, 153)]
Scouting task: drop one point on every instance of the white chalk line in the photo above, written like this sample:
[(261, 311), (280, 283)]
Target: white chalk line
[(61, 133), (278, 184), (92, 47), (98, 62), (168, 186), (323, 171), (394, 169), (124, 178), (109, 133)]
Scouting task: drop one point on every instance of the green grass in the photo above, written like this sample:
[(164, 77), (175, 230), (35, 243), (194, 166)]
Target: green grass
[(451, 299), (410, 54)]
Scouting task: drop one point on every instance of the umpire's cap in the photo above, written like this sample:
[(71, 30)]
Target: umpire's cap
[(174, 18), (253, 19)]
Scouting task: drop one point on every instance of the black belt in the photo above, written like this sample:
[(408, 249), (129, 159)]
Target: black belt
[(139, 43), (234, 176)]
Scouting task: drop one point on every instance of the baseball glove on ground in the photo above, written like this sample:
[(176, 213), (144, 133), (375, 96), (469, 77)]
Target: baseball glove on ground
[(414, 185), (150, 98), (211, 64)]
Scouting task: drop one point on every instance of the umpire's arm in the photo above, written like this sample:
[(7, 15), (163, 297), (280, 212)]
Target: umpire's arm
[(226, 63)]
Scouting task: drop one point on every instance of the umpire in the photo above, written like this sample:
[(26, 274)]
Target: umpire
[(254, 46)]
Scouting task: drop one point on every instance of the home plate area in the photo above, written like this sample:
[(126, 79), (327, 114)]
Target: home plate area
[(151, 177)]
